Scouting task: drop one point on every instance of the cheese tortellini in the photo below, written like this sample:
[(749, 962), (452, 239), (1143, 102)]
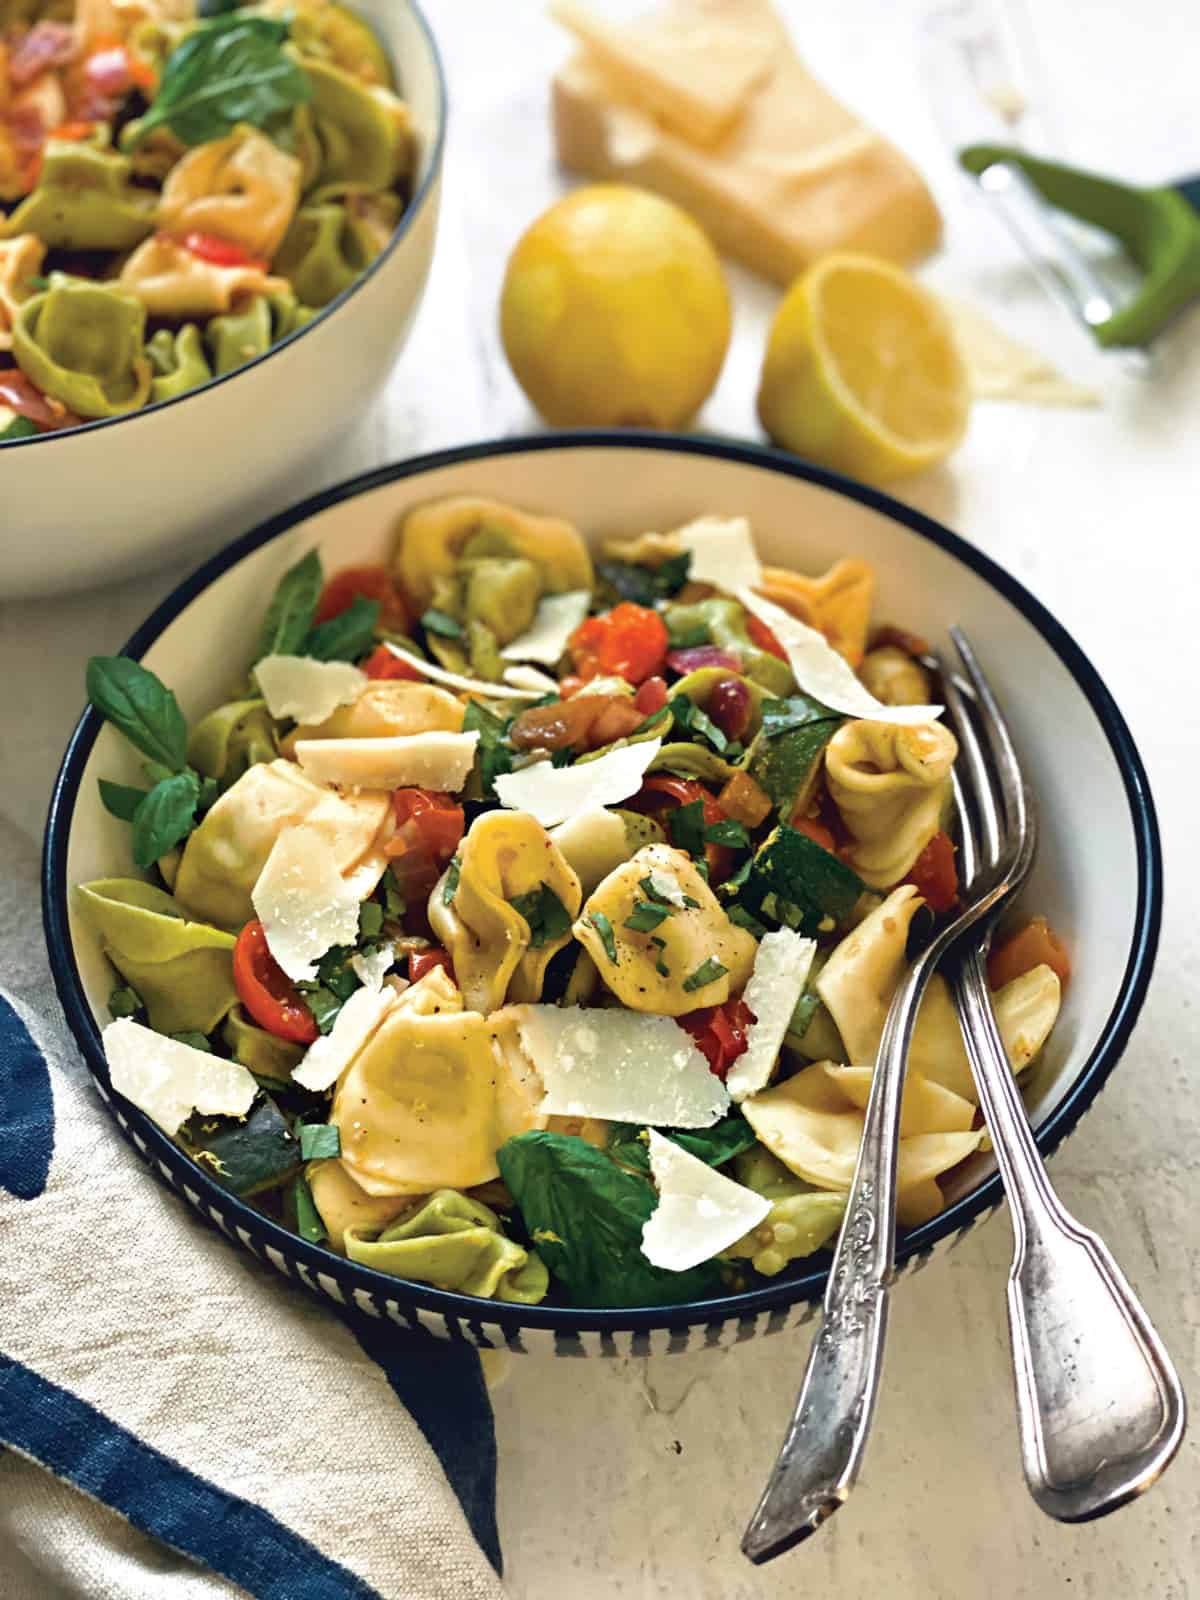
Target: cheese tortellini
[(895, 678), (243, 188), (838, 604), (20, 262), (890, 784), (223, 859), (662, 968), (508, 860)]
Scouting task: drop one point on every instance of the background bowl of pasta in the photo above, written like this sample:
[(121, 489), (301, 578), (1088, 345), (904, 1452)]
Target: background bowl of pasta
[(1098, 878), (215, 231)]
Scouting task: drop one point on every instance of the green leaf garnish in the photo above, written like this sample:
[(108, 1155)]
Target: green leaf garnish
[(660, 966), (604, 928), (441, 623), (689, 716), (545, 913), (289, 617), (450, 887), (229, 70), (319, 1140), (728, 831), (120, 800), (715, 1146), (347, 636), (323, 1004), (140, 706), (646, 916), (124, 1002), (308, 1219), (20, 427), (197, 1040), (644, 585), (370, 920), (166, 816), (686, 827), (493, 754), (708, 971), (394, 903)]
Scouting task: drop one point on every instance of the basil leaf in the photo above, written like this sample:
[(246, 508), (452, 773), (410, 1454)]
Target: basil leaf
[(708, 971), (644, 585), (805, 1010), (140, 706), (686, 827), (728, 831), (165, 816), (119, 800), (394, 903), (124, 1002), (345, 637), (308, 1219), (645, 917), (19, 427), (689, 716), (660, 966), (604, 928), (714, 1146), (323, 1004), (370, 920), (585, 1216), (290, 615), (197, 1040), (450, 887), (493, 754), (545, 913), (319, 1140), (229, 70), (441, 623), (741, 918)]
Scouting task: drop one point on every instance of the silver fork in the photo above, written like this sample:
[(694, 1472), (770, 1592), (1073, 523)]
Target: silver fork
[(822, 1451), (1100, 1408)]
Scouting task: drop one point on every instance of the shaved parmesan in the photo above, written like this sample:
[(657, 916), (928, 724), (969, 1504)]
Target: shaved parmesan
[(456, 680), (625, 1066), (307, 690), (777, 982), (552, 794), (606, 686), (557, 617), (169, 1080), (326, 1060), (593, 843), (373, 969), (700, 1212), (530, 678), (303, 902), (406, 761), (823, 673), (722, 552)]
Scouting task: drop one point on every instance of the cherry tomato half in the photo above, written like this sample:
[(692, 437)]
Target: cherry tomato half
[(660, 794), (381, 663), (422, 961), (935, 874), (373, 583), (720, 1032), (220, 252), (267, 992), (429, 827), (651, 697), (629, 642)]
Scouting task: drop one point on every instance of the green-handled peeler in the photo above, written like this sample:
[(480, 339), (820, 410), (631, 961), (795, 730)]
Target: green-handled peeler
[(1159, 228)]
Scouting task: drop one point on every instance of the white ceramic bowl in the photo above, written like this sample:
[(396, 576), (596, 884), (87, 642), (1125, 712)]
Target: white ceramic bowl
[(1098, 877), (117, 497)]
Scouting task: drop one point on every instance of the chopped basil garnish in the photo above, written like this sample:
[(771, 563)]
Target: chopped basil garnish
[(742, 918), (124, 1002), (545, 913), (688, 715), (370, 920), (323, 1004), (441, 623), (493, 754), (450, 887), (660, 966), (319, 1140), (394, 903), (728, 831), (196, 1039), (604, 928), (645, 917), (662, 892), (686, 827), (707, 972), (643, 584)]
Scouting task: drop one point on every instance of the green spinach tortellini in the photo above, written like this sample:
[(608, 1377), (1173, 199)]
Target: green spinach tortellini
[(364, 133), (84, 201), (179, 362), (454, 1242), (84, 344), (323, 253), (230, 740), (241, 335), (182, 970)]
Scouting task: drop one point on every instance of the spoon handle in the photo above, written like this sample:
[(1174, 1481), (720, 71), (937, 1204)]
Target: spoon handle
[(819, 1460), (1100, 1408)]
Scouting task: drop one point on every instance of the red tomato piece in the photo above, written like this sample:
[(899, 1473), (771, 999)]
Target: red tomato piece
[(651, 697), (1031, 946), (373, 583), (628, 642), (21, 396), (220, 252), (422, 961), (720, 1032), (381, 663), (267, 992), (762, 636), (437, 819), (817, 832), (935, 874)]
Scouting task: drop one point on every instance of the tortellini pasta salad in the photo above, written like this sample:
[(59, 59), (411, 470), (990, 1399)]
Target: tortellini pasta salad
[(525, 924), (183, 183)]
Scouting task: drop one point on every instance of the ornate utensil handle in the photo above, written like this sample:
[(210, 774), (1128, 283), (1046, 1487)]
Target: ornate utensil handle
[(1100, 1406)]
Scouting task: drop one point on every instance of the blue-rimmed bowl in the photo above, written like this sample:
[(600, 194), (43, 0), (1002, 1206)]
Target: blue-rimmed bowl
[(117, 497), (1098, 878)]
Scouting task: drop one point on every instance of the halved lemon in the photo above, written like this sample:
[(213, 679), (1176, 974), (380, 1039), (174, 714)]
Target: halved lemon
[(862, 372)]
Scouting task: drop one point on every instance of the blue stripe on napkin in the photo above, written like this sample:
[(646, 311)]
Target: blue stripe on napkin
[(28, 1109), (233, 1537)]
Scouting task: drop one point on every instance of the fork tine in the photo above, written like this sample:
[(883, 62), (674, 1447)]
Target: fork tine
[(968, 845), (991, 819), (1005, 765)]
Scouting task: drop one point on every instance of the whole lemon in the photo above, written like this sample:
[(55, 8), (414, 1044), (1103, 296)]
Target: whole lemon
[(615, 311)]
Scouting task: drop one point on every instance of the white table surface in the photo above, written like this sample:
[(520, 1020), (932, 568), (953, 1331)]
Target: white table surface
[(635, 1478)]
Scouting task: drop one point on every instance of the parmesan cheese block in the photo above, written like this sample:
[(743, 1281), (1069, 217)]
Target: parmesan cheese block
[(556, 618), (412, 760), (1001, 368), (620, 1066), (776, 984), (531, 678), (373, 969), (307, 690), (700, 1212), (552, 794), (169, 1080), (722, 552), (796, 176), (458, 680), (304, 903), (326, 1059)]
